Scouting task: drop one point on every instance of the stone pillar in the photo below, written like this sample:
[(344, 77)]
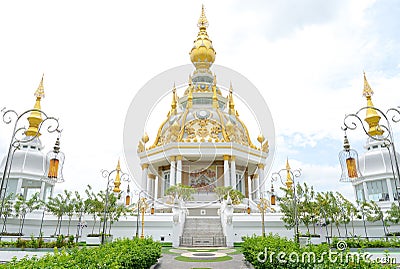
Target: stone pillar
[(172, 174), (256, 186), (227, 182), (390, 189), (178, 170), (365, 191), (19, 186), (145, 171), (42, 191), (233, 172)]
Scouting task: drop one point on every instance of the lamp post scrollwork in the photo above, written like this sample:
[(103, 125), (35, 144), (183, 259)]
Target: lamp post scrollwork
[(119, 176), (290, 183)]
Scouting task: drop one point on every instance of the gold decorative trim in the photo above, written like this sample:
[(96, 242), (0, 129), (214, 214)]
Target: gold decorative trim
[(145, 165)]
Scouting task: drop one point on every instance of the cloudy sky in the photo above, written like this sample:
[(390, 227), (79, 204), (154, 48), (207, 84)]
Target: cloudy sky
[(305, 57)]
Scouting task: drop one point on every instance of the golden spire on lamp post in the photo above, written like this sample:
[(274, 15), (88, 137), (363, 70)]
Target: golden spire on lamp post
[(231, 103), (289, 180), (372, 117), (117, 181), (35, 118)]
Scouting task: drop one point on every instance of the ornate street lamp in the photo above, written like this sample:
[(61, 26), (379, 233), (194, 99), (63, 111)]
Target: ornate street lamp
[(263, 205), (119, 175), (55, 162), (21, 135), (290, 184), (376, 131)]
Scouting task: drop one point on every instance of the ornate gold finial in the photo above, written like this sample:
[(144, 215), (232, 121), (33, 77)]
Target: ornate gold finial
[(231, 103), (174, 100), (289, 180), (367, 89), (203, 22), (202, 54), (372, 117), (190, 98), (260, 138), (117, 181), (35, 118), (145, 138), (214, 88)]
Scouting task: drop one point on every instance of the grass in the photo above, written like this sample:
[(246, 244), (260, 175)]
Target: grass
[(235, 252), (218, 259), (167, 250)]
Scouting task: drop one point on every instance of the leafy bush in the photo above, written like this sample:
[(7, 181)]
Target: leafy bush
[(274, 252), (357, 242), (122, 253)]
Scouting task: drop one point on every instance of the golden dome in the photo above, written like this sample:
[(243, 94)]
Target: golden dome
[(202, 54)]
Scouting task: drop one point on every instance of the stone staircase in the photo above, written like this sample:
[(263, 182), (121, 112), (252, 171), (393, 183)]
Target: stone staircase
[(202, 232)]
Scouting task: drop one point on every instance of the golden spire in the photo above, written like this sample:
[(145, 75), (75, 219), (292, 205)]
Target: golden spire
[(203, 22), (214, 88), (231, 103), (174, 100), (202, 54), (117, 181), (35, 118), (289, 180), (372, 117)]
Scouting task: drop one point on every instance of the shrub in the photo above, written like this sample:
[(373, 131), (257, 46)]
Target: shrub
[(295, 256), (122, 253)]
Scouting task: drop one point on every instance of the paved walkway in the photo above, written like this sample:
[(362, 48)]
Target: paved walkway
[(168, 261)]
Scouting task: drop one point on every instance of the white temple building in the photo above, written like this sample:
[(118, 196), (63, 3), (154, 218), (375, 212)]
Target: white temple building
[(28, 167), (377, 181), (202, 143)]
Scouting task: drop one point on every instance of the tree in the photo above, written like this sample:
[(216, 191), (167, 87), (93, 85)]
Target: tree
[(7, 211), (287, 208), (23, 206), (94, 206), (393, 214), (69, 206), (183, 192), (55, 205), (374, 213), (236, 196)]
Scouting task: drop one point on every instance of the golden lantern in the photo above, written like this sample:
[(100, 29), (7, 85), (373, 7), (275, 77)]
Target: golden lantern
[(152, 209), (128, 197), (248, 210), (273, 197), (349, 162), (54, 163)]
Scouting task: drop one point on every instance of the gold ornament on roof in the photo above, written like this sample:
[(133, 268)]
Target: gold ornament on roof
[(35, 118), (289, 180), (202, 54), (372, 117)]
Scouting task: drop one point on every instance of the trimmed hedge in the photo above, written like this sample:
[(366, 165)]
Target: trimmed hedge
[(122, 253)]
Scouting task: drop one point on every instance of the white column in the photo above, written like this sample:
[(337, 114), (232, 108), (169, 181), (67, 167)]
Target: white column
[(233, 172), (148, 184), (260, 181), (19, 186), (249, 187), (256, 185), (172, 175), (42, 190), (178, 170), (227, 182), (390, 189), (156, 182), (365, 191), (145, 171)]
